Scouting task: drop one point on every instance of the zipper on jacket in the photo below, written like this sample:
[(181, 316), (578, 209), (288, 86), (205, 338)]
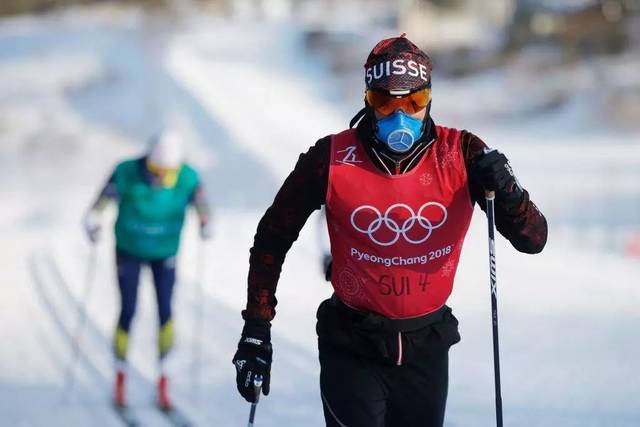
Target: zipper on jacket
[(399, 361)]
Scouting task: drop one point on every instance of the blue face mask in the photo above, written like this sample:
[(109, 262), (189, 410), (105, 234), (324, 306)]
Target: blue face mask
[(399, 131)]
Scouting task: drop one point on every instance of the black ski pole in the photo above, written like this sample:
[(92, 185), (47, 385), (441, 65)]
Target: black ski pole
[(490, 198), (257, 387)]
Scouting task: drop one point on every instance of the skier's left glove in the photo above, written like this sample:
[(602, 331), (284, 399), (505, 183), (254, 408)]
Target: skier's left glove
[(253, 358), (493, 171), (205, 231)]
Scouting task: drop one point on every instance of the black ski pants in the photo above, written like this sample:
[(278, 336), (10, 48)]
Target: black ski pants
[(374, 375)]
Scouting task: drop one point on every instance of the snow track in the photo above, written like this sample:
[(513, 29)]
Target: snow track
[(57, 305), (62, 305)]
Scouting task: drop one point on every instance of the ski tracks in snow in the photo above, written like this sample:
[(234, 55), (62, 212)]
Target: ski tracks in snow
[(65, 310)]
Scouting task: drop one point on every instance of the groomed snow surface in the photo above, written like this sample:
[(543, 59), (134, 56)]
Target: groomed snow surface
[(81, 90)]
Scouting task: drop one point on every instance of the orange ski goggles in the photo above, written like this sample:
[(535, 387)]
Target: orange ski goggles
[(385, 103)]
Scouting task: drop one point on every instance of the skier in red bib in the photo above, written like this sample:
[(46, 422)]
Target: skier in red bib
[(399, 193)]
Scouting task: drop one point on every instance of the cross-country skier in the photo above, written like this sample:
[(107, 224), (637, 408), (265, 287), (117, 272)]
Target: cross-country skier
[(152, 194), (399, 193)]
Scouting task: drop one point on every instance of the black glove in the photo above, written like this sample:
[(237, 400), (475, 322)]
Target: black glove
[(253, 358), (327, 263), (493, 171)]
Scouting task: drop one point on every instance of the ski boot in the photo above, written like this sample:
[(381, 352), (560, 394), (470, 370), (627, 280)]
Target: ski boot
[(164, 402), (119, 394), (165, 343)]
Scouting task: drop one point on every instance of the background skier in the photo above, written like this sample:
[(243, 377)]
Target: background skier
[(152, 193), (399, 193)]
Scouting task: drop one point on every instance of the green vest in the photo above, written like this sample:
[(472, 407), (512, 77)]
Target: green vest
[(150, 218)]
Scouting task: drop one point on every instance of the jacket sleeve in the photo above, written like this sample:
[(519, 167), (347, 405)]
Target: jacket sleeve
[(109, 192), (199, 201), (302, 192), (518, 219)]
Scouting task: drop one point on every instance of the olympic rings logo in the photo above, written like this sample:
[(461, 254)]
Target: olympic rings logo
[(393, 225)]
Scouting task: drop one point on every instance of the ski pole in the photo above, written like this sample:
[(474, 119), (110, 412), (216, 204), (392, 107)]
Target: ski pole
[(69, 381), (490, 198), (199, 317), (257, 387)]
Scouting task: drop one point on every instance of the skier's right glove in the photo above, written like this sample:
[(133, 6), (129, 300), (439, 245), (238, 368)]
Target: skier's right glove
[(92, 226), (253, 358)]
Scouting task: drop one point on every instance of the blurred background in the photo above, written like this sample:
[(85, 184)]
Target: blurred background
[(252, 83)]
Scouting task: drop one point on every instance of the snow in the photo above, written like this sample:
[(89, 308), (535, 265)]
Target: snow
[(83, 89)]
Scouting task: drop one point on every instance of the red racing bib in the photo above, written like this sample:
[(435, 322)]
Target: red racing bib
[(396, 239)]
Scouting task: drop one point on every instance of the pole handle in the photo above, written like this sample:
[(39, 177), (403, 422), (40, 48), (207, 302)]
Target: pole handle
[(489, 194)]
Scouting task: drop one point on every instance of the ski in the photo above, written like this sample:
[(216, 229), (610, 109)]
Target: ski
[(176, 417), (126, 415)]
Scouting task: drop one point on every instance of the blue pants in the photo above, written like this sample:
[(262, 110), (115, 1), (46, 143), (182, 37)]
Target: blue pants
[(164, 277)]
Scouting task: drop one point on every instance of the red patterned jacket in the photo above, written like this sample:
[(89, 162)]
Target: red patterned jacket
[(305, 189)]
